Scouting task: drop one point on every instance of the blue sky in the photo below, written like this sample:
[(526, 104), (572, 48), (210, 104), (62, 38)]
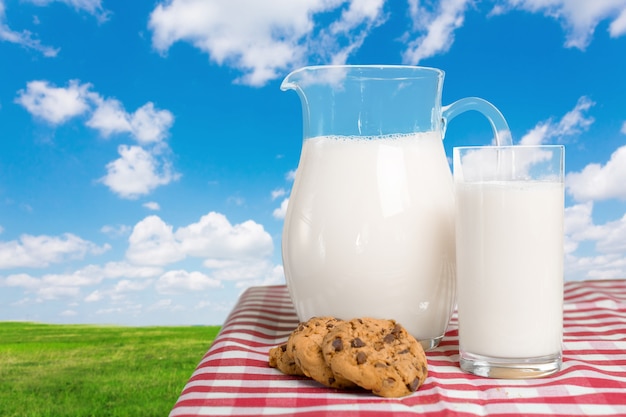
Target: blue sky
[(147, 152)]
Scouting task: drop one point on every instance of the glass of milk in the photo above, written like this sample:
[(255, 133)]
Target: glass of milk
[(509, 246)]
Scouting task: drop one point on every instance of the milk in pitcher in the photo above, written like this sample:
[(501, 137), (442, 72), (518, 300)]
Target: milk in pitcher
[(369, 231)]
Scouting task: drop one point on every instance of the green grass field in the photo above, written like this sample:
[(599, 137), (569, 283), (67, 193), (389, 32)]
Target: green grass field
[(83, 370)]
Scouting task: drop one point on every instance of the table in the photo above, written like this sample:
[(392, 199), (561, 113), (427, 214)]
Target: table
[(234, 379)]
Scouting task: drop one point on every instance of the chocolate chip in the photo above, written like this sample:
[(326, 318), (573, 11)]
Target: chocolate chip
[(283, 347), (331, 380), (390, 338), (404, 352), (338, 344), (389, 381), (357, 343), (361, 357), (413, 386), (397, 329)]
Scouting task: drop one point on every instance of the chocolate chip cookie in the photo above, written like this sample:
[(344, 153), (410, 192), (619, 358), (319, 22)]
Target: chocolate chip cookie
[(282, 359), (305, 345), (378, 355)]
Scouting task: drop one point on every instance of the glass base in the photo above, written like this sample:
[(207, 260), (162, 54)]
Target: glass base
[(429, 344), (510, 368)]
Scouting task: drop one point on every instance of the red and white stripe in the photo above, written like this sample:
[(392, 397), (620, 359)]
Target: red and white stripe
[(234, 379)]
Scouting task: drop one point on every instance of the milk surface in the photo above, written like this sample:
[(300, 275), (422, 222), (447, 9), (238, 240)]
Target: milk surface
[(510, 268), (369, 231)]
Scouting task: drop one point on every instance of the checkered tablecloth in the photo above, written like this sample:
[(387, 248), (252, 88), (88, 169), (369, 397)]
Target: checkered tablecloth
[(234, 379)]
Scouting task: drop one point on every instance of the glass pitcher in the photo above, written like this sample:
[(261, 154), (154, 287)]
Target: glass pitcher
[(369, 228)]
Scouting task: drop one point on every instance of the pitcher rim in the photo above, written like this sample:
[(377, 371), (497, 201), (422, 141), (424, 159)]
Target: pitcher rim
[(393, 69), (369, 66)]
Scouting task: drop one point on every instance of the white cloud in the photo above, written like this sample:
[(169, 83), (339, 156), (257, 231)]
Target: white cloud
[(54, 293), (43, 290), (149, 125), (623, 130), (231, 251), (137, 172), (274, 277), (572, 123), (279, 192), (80, 278), (242, 40), (115, 270), (600, 182), (116, 231), (41, 251), (239, 270), (54, 286), (609, 242), (146, 125), (614, 238), (291, 175), (618, 26), (161, 305), (575, 121), (24, 38), (270, 37), (128, 309), (55, 104), (152, 205), (21, 280), (353, 27), (434, 23), (95, 296), (87, 276), (93, 7), (215, 237), (126, 285), (236, 200), (579, 19), (27, 40), (182, 281), (109, 117), (68, 313), (435, 28), (152, 242), (280, 212), (578, 226), (119, 291)]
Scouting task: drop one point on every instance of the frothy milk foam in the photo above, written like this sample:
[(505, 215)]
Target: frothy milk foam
[(521, 277), (369, 231)]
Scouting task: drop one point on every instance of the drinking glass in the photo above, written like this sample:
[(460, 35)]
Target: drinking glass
[(509, 205)]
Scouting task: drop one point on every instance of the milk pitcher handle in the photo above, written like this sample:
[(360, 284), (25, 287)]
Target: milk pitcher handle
[(501, 130)]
